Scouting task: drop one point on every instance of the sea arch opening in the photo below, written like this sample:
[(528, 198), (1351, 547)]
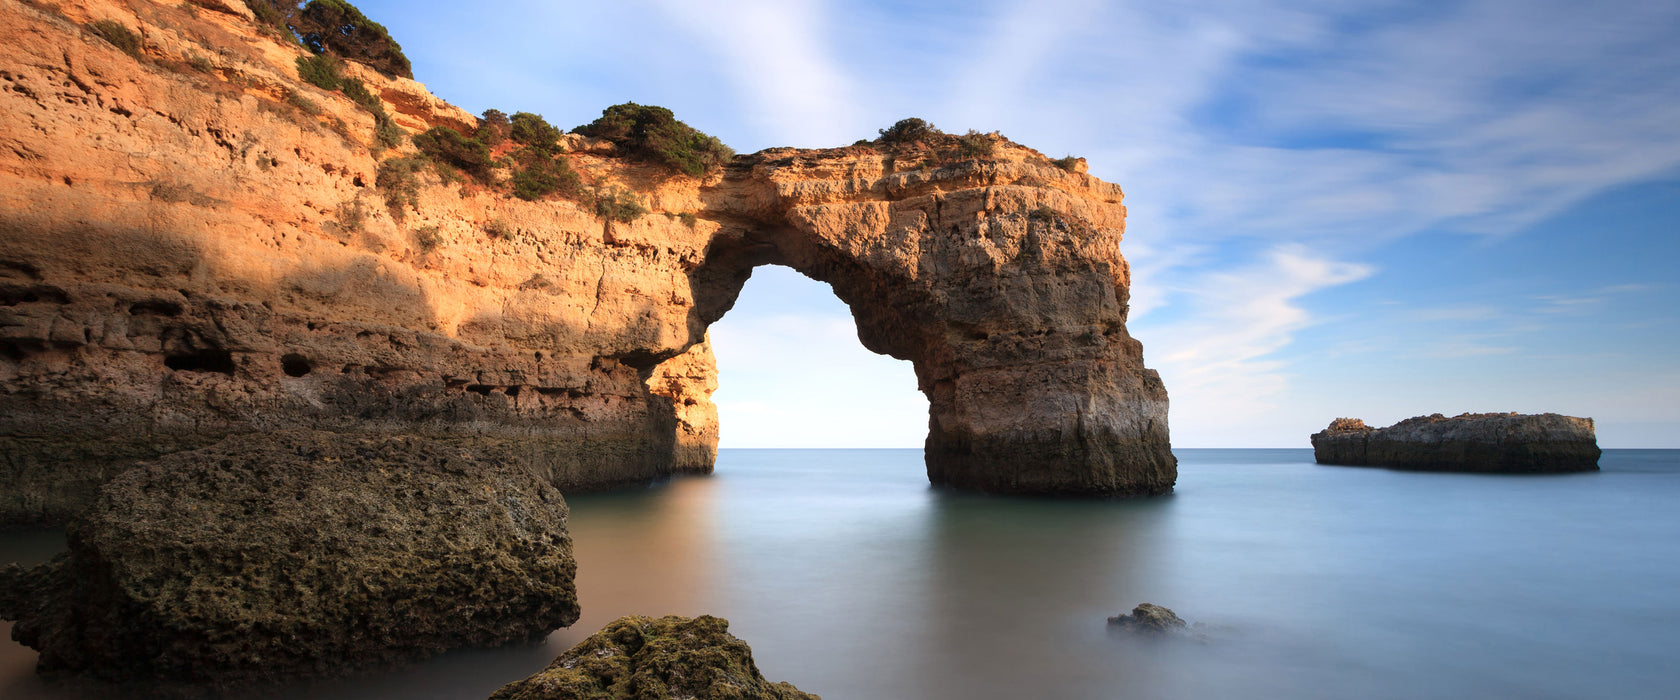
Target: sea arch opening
[(792, 373)]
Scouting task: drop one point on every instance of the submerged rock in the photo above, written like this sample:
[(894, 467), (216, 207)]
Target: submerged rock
[(1148, 619), (1470, 442), (643, 657), (298, 554)]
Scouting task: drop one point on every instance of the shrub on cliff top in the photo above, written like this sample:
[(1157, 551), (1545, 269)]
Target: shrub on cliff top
[(532, 130), (114, 33), (971, 145), (445, 144), (338, 28), (320, 71), (654, 133), (494, 127), (909, 130)]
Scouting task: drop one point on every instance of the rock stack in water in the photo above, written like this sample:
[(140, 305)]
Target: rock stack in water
[(301, 554), (1471, 442)]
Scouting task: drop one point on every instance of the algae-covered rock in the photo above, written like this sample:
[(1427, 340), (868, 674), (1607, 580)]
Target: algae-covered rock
[(1148, 619), (643, 657), (299, 554)]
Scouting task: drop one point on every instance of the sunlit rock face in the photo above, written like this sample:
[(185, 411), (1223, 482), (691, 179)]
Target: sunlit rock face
[(194, 245)]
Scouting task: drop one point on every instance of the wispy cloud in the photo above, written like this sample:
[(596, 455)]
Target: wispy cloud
[(782, 61), (1218, 361)]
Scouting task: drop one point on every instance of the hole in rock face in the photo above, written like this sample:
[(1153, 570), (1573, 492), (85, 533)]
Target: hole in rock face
[(207, 360), (294, 365), (159, 307), (480, 389)]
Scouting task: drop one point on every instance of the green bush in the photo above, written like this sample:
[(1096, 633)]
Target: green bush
[(359, 94), (338, 28), (539, 174), (497, 228), (1067, 163), (428, 238), (320, 71), (117, 35), (971, 145), (449, 146), (653, 133), (532, 130), (909, 130), (616, 205), (494, 127), (398, 180), (386, 133), (272, 15)]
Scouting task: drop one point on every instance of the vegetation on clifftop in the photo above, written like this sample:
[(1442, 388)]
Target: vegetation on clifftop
[(322, 71), (336, 28), (653, 133)]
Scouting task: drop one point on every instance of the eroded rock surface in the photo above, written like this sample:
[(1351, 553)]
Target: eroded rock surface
[(193, 244), (267, 557), (1150, 620), (643, 657), (1470, 442)]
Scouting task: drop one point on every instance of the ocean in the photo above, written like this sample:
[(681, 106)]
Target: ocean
[(852, 578)]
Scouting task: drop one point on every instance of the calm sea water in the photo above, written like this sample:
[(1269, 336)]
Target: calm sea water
[(851, 578)]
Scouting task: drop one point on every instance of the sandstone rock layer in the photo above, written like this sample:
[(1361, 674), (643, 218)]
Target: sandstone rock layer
[(268, 557), (193, 244), (641, 657), (1480, 442)]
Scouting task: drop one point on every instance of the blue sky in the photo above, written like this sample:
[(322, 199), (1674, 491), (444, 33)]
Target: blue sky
[(1374, 209)]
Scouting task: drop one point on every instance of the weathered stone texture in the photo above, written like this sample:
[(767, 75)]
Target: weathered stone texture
[(642, 657), (273, 556), (1470, 442)]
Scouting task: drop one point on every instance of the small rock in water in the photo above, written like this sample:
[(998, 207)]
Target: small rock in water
[(1148, 619), (643, 657)]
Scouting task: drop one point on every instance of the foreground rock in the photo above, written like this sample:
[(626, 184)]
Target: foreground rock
[(301, 554), (1470, 442), (1148, 619), (196, 243), (643, 657)]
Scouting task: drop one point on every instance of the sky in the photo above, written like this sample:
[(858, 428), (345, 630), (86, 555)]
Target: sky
[(1363, 209)]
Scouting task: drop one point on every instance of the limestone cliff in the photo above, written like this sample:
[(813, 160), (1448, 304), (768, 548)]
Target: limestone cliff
[(193, 244)]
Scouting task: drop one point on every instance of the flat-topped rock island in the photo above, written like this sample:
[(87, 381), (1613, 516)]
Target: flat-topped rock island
[(1469, 442)]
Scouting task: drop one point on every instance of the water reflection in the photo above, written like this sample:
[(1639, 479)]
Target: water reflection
[(1020, 589), (853, 579)]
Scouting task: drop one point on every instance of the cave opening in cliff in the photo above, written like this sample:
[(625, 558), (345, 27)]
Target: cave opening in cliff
[(215, 360), (792, 372)]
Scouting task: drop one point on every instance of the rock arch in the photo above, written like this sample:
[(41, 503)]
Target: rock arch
[(1001, 281), (163, 287)]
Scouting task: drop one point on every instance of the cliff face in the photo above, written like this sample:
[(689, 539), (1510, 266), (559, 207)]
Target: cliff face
[(193, 244), (1471, 442)]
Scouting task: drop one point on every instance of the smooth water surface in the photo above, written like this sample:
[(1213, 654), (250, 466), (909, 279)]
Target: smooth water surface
[(851, 578)]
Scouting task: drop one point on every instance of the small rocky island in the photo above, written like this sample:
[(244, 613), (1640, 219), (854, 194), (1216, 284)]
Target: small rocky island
[(1469, 442)]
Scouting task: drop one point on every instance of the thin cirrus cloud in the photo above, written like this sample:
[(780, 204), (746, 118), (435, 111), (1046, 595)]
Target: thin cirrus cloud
[(1268, 154), (1274, 155)]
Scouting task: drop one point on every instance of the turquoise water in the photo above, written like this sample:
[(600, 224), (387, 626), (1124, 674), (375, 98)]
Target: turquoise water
[(851, 578)]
